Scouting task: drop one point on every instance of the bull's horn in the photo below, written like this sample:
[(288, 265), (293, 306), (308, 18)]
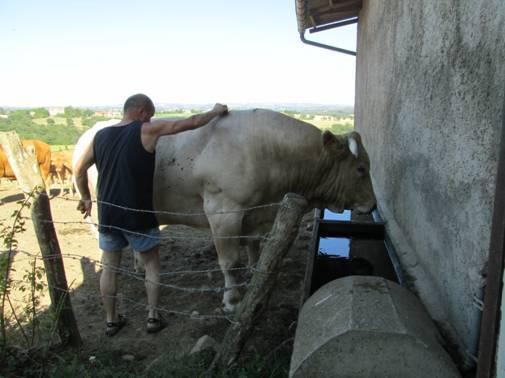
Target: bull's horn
[(353, 146)]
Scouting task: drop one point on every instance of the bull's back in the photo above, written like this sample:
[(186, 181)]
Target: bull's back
[(184, 160)]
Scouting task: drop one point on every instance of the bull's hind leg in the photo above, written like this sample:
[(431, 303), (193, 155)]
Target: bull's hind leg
[(225, 227)]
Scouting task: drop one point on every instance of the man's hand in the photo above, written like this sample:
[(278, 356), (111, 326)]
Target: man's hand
[(84, 206), (220, 109)]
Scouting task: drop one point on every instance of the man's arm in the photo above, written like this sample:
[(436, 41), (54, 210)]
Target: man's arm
[(81, 180), (153, 130)]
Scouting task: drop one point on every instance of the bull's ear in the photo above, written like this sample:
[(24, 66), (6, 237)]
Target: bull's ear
[(332, 141), (329, 139)]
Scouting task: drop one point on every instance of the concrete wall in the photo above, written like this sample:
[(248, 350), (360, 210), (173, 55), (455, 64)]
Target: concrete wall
[(429, 96)]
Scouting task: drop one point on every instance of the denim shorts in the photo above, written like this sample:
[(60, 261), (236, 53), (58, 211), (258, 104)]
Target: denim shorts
[(141, 241)]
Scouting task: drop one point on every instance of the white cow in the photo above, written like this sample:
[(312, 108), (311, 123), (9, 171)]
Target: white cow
[(249, 158)]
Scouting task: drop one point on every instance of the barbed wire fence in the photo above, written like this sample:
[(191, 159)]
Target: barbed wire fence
[(131, 274), (182, 236), (259, 290)]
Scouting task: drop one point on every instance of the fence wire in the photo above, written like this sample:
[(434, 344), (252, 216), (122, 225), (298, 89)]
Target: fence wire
[(136, 276), (268, 205), (119, 298), (139, 277)]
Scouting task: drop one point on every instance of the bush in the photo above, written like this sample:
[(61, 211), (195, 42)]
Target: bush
[(70, 112), (91, 120), (39, 113)]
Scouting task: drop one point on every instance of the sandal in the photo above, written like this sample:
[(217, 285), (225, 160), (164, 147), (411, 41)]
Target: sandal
[(155, 324), (114, 327)]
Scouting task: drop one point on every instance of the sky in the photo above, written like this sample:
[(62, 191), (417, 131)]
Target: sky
[(98, 52)]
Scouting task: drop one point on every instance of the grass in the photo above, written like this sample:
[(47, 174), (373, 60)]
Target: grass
[(45, 363)]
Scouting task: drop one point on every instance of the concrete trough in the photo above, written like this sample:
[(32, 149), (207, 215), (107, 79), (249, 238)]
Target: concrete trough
[(363, 326)]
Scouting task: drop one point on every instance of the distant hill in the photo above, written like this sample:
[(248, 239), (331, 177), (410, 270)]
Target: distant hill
[(162, 107)]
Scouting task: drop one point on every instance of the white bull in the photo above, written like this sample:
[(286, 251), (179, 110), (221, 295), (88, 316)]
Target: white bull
[(250, 158)]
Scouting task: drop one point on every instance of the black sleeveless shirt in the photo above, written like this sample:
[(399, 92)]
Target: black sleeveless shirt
[(125, 178)]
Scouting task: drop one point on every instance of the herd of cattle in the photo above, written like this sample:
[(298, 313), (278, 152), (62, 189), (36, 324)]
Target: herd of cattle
[(55, 166)]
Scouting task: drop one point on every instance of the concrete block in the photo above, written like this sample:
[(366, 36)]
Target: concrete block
[(360, 326)]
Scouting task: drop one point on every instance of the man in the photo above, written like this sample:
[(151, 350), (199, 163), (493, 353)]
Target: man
[(124, 156)]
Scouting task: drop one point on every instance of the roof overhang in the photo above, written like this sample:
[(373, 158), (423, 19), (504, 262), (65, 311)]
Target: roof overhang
[(314, 14)]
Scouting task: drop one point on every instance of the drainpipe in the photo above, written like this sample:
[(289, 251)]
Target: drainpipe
[(326, 27)]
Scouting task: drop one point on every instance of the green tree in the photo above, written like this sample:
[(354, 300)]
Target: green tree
[(70, 112), (90, 121), (40, 113), (20, 115)]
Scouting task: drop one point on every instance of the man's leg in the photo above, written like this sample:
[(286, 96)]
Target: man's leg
[(108, 283), (151, 261)]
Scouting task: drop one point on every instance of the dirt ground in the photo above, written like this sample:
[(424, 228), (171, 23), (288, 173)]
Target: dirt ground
[(190, 315)]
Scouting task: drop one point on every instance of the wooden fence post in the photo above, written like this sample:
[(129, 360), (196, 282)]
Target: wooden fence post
[(284, 231), (26, 170)]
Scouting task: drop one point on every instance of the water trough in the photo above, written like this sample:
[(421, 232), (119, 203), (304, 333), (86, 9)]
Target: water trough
[(357, 320)]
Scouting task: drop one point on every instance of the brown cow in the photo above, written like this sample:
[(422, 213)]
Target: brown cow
[(61, 166), (42, 152)]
